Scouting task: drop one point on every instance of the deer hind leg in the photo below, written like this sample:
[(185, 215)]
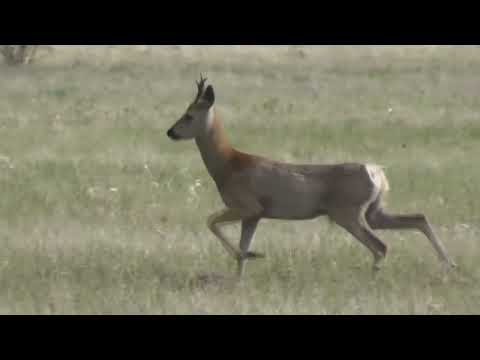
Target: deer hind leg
[(353, 220), (379, 219)]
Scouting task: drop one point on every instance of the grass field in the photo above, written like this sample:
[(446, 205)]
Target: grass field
[(101, 213)]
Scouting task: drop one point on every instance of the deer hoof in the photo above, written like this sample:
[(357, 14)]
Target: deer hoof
[(451, 265), (254, 255)]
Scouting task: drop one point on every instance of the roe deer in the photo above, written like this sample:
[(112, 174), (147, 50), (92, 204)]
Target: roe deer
[(253, 187)]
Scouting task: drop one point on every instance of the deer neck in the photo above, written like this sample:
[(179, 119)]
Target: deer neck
[(215, 149)]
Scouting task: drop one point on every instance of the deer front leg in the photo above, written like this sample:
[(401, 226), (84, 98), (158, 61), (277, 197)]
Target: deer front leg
[(248, 230), (249, 225), (221, 218), (229, 216)]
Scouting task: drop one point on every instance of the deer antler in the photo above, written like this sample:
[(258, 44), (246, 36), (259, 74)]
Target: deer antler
[(200, 87)]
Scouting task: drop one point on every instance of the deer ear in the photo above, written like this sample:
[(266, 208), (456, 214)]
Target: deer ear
[(209, 95)]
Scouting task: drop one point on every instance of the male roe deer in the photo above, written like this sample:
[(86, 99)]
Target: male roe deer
[(253, 187)]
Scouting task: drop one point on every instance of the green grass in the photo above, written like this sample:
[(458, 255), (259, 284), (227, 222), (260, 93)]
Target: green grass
[(97, 214)]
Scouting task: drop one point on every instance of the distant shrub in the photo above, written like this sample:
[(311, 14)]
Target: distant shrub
[(18, 54)]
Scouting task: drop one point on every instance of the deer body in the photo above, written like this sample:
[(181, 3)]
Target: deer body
[(253, 187), (281, 190)]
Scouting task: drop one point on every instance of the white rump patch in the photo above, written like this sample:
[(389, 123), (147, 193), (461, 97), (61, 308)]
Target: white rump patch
[(379, 180)]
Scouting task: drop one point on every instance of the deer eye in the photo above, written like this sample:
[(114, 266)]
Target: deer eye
[(188, 117)]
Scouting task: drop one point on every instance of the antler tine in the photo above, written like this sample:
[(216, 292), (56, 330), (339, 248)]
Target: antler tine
[(200, 86), (202, 79)]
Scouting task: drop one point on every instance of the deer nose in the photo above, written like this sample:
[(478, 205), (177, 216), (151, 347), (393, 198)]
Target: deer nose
[(171, 134)]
